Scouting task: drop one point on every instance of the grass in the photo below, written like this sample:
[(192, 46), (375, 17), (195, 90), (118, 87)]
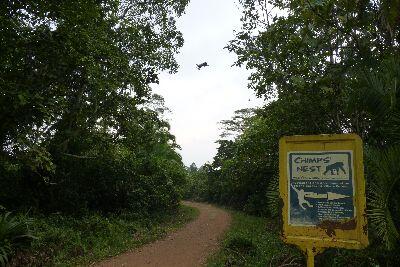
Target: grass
[(254, 241), (70, 241)]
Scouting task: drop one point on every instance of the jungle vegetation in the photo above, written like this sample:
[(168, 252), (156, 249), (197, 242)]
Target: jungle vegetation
[(80, 130), (323, 67), (84, 144)]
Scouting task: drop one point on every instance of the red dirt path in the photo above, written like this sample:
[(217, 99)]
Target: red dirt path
[(189, 246)]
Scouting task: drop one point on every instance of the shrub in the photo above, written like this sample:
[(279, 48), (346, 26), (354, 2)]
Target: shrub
[(14, 233)]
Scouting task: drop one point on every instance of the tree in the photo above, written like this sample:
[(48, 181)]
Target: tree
[(332, 67), (239, 122), (192, 167), (74, 61), (75, 103), (313, 51)]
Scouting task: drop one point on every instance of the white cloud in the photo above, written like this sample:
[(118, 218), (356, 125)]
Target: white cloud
[(199, 99)]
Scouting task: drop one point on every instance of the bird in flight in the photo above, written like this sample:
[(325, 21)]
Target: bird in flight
[(204, 64)]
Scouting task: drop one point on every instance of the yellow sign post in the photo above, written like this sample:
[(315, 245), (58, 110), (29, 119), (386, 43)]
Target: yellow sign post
[(322, 188)]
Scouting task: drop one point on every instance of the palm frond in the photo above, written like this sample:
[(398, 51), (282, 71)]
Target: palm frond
[(393, 127), (272, 196), (385, 170), (5, 251), (378, 99), (14, 232)]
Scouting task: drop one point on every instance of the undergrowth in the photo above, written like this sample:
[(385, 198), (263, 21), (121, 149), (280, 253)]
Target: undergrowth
[(254, 241), (69, 241)]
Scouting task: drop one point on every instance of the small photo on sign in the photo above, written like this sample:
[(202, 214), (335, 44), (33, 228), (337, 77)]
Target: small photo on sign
[(320, 187)]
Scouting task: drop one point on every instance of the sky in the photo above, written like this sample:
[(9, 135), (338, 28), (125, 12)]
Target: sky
[(199, 99)]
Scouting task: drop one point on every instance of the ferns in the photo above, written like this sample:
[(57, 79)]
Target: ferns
[(5, 251), (273, 198), (385, 170), (380, 98), (13, 233)]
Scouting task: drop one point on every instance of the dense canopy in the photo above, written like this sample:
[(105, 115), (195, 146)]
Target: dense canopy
[(79, 125)]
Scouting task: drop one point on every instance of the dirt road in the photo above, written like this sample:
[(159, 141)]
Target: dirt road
[(187, 247)]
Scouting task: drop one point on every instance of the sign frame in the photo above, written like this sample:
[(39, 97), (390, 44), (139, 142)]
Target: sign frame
[(352, 234)]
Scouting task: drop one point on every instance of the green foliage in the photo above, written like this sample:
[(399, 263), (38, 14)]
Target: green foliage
[(383, 195), (374, 255), (14, 234), (254, 241), (79, 127), (246, 166), (376, 97), (239, 122), (380, 103), (80, 130), (69, 241), (324, 67), (313, 45), (274, 201), (196, 183)]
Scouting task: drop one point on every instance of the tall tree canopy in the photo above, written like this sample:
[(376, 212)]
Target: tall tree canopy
[(66, 65), (314, 52), (324, 66), (74, 85)]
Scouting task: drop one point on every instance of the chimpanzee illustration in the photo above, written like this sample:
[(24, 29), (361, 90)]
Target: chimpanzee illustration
[(334, 168), (300, 196)]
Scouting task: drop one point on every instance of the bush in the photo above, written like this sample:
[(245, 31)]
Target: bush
[(82, 130), (14, 234), (66, 240), (99, 175)]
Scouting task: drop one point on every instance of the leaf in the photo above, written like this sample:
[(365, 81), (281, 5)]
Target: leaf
[(385, 180)]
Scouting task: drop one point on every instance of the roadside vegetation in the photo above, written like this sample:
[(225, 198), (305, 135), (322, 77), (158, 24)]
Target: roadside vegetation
[(87, 158), (64, 240), (254, 241), (323, 67), (84, 147)]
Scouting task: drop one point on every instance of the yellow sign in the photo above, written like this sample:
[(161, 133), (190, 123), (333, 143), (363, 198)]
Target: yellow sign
[(323, 192)]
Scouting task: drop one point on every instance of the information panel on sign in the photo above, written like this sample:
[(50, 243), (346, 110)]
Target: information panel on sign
[(320, 186)]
